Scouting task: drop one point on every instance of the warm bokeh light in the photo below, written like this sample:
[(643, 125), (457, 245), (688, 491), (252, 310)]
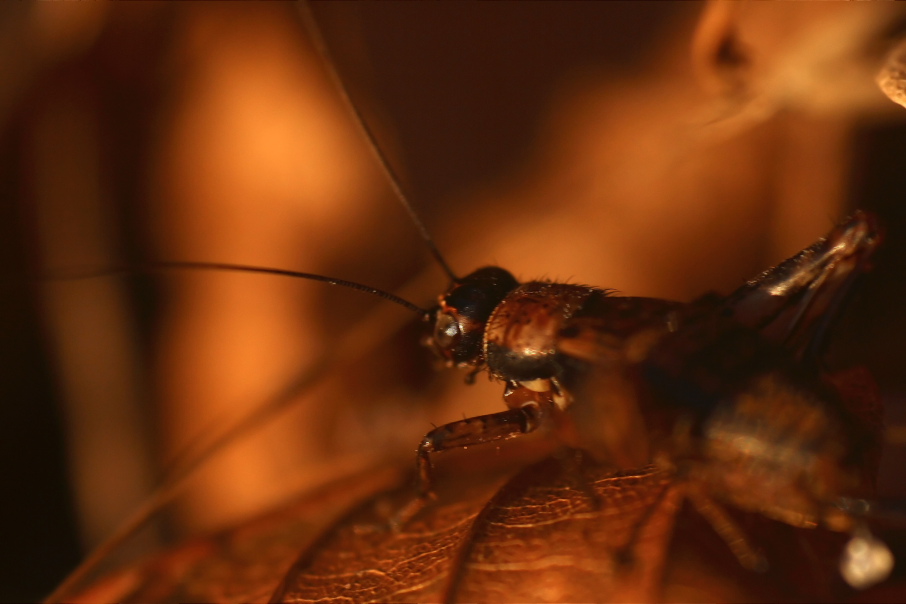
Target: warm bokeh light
[(667, 153)]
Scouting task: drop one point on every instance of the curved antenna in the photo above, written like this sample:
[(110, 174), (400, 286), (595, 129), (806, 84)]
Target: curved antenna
[(225, 266), (320, 45)]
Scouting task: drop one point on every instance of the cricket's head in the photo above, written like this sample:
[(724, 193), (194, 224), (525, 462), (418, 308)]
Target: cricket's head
[(462, 315)]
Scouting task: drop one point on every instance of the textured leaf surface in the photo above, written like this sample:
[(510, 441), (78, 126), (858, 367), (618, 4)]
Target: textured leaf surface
[(559, 530), (240, 565), (556, 534)]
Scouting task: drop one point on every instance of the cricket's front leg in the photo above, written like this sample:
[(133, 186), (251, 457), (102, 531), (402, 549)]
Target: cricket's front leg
[(459, 435), (470, 432)]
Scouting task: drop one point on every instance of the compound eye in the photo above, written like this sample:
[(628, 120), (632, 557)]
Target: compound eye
[(447, 332)]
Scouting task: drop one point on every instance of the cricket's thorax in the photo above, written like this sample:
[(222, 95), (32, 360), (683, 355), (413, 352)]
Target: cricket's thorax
[(522, 333)]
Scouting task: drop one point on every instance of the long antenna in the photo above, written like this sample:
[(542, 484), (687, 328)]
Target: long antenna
[(320, 45), (224, 266)]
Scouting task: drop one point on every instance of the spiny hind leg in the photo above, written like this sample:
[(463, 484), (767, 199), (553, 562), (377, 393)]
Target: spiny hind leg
[(668, 503), (664, 506), (724, 525)]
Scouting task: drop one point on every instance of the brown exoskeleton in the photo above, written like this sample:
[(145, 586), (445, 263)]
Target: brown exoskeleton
[(724, 392)]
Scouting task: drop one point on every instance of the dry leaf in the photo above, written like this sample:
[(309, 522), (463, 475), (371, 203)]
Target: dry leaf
[(557, 531)]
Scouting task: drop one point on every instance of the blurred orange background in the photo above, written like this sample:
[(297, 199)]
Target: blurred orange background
[(661, 150)]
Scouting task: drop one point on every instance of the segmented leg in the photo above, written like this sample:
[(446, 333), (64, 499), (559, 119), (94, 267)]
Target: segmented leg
[(747, 555), (728, 530), (469, 432), (669, 496), (461, 434)]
